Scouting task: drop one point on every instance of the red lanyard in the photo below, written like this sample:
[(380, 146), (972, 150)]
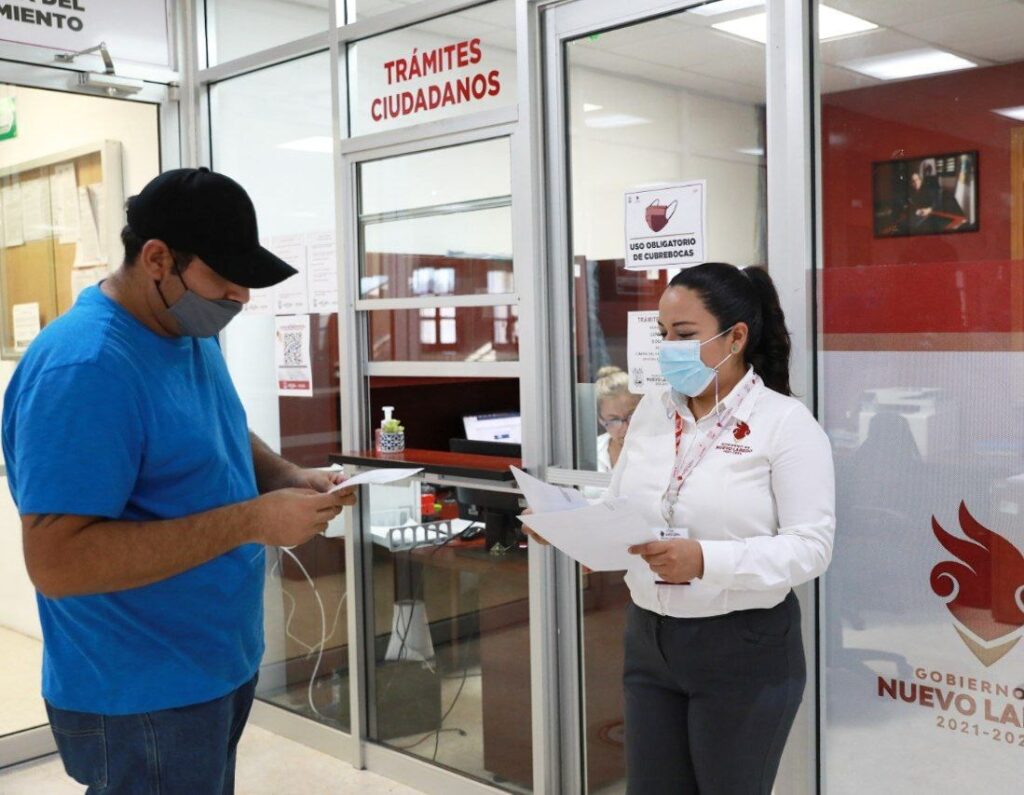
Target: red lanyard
[(685, 464)]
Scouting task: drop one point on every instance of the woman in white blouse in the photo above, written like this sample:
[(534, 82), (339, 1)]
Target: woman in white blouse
[(737, 477), (615, 407)]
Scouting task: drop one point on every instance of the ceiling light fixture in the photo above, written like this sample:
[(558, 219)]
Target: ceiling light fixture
[(832, 24), (1016, 113), (723, 7), (911, 63), (616, 120)]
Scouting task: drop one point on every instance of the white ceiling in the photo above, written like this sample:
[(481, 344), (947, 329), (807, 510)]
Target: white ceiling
[(684, 47)]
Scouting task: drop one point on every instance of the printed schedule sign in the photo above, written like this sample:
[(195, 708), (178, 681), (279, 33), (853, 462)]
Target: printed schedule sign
[(666, 226), (642, 343)]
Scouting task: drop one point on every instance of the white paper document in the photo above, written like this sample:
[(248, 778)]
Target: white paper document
[(323, 272), (597, 536), (35, 207), (643, 341), (377, 477), (64, 198), (544, 498), (14, 230), (26, 323), (293, 358), (292, 295), (88, 251)]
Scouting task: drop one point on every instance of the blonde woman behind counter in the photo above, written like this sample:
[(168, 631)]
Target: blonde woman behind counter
[(615, 407), (737, 476)]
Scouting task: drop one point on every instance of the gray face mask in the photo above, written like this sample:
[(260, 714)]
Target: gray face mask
[(198, 316)]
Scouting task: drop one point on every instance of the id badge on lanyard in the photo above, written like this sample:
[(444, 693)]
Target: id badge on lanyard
[(685, 463)]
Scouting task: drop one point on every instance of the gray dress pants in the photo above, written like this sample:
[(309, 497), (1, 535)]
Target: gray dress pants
[(710, 701)]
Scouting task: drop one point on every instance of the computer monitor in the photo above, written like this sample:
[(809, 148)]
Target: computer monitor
[(498, 510), (504, 426)]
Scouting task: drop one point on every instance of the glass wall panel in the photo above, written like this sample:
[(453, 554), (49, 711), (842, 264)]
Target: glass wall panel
[(445, 334), (451, 634), (38, 244), (922, 371), (236, 28), (447, 67), (652, 104), (271, 130)]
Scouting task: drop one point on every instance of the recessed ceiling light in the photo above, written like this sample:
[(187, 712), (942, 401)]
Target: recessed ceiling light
[(317, 143), (723, 7), (590, 107), (832, 24), (1012, 113), (616, 120), (753, 27), (911, 63)]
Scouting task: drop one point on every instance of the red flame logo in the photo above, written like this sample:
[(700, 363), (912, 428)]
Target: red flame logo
[(984, 588), (741, 431)]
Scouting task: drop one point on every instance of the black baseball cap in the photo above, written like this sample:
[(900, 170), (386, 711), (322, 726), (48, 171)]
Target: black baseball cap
[(200, 212)]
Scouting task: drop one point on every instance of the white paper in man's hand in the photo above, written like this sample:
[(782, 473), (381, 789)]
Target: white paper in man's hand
[(598, 536), (544, 498), (377, 477)]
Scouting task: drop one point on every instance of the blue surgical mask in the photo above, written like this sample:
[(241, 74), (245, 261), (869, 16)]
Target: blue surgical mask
[(682, 366)]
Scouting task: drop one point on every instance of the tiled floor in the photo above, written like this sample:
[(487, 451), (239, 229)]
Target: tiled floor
[(267, 765)]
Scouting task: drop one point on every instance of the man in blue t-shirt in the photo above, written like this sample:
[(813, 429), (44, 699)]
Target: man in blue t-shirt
[(139, 487)]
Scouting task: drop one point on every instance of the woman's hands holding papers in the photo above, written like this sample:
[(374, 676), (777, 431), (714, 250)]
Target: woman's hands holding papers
[(533, 534), (673, 560)]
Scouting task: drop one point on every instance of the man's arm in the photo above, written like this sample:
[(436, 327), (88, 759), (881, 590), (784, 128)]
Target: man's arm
[(68, 555), (272, 471)]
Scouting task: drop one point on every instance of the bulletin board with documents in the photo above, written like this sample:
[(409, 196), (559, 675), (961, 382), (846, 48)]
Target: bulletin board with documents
[(60, 222)]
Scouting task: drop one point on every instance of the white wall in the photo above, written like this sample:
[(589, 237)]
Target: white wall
[(241, 27), (50, 122), (666, 134)]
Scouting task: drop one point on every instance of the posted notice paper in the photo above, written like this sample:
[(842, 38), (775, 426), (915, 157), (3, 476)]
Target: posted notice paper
[(26, 323), (666, 226), (598, 536), (643, 342), (292, 356)]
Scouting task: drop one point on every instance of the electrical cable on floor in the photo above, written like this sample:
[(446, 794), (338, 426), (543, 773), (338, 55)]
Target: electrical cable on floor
[(323, 629)]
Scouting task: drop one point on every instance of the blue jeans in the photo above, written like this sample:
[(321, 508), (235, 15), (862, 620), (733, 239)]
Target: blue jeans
[(183, 751)]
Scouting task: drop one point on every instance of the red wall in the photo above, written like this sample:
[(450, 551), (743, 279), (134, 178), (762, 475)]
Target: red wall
[(886, 289)]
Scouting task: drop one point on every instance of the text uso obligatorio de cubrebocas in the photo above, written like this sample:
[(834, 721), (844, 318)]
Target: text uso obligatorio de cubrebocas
[(439, 60)]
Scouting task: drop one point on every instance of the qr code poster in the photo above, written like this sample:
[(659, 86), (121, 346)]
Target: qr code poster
[(294, 368)]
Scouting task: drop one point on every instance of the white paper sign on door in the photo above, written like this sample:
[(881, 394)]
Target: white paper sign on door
[(294, 365), (292, 295), (666, 226), (323, 272), (642, 343), (26, 324)]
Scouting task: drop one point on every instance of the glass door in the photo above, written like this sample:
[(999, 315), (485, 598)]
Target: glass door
[(67, 161), (641, 100)]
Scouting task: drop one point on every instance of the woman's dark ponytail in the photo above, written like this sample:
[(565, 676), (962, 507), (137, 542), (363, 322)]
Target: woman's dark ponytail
[(769, 354), (746, 296)]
